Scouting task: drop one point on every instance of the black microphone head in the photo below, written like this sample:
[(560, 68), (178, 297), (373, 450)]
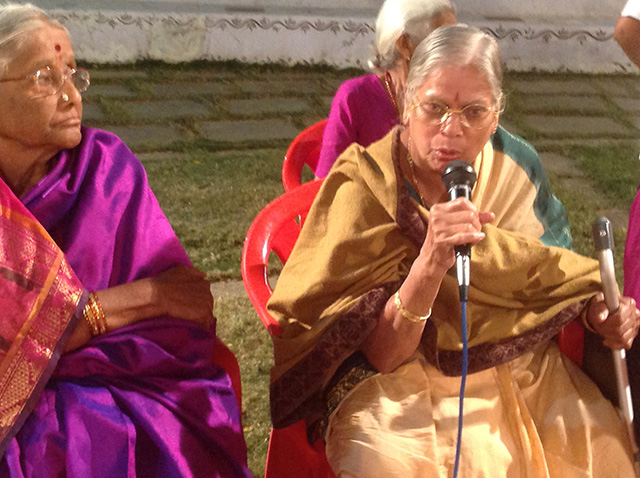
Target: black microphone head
[(459, 175)]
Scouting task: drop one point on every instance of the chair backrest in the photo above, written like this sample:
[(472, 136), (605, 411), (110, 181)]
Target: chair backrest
[(276, 229), (304, 149)]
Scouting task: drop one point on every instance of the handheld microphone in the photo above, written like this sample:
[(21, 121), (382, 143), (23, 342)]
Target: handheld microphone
[(603, 239), (459, 179)]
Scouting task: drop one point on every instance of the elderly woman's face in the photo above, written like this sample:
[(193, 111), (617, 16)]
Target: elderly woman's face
[(461, 135), (40, 124)]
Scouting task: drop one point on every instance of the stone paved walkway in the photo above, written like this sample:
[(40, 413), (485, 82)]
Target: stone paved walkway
[(253, 107), (237, 107)]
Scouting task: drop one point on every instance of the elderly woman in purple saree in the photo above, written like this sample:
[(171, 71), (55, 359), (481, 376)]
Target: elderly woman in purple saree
[(147, 397)]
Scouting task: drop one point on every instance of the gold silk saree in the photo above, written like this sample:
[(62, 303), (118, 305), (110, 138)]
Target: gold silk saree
[(359, 240)]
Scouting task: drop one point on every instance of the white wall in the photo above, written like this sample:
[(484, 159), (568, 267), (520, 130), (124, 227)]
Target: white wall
[(550, 11), (534, 10), (546, 35)]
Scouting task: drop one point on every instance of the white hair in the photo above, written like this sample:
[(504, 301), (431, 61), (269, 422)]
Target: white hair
[(456, 45), (398, 17), (16, 21)]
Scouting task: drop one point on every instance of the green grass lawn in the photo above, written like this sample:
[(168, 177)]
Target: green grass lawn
[(613, 174), (211, 199)]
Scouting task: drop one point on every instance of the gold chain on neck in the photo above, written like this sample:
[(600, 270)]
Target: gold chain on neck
[(392, 97)]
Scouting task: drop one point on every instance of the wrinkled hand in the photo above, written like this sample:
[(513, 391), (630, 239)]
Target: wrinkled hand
[(451, 224), (185, 293), (618, 329)]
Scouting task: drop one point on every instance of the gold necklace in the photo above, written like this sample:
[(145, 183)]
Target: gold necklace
[(413, 173)]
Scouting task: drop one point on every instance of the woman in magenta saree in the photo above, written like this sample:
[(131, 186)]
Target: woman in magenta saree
[(146, 398)]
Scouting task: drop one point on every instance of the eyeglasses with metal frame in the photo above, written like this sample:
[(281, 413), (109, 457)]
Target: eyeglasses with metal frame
[(48, 81), (472, 116)]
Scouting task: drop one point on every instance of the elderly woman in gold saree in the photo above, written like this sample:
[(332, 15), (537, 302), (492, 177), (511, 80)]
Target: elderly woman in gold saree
[(370, 353)]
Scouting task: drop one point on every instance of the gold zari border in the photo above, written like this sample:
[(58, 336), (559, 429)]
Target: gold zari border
[(28, 252)]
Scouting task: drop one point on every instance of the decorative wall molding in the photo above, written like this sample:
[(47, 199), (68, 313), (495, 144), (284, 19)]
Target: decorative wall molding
[(527, 33), (116, 19), (119, 37), (333, 26)]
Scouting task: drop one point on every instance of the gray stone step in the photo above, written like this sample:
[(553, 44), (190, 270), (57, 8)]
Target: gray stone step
[(249, 130), (579, 126)]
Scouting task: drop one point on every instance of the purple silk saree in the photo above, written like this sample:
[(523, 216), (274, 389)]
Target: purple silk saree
[(146, 400)]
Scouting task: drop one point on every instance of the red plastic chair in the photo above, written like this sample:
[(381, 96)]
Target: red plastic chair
[(304, 149), (276, 229), (571, 341), (224, 357)]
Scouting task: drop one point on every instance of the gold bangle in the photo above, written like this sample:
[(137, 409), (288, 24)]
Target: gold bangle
[(406, 314), (94, 315), (87, 313), (101, 319)]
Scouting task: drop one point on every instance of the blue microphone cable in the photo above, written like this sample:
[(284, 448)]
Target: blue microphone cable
[(463, 382)]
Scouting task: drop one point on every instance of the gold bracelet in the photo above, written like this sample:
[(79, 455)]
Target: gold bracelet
[(406, 314), (94, 315)]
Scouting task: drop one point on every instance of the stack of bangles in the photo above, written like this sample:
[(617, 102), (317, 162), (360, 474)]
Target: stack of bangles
[(410, 316), (94, 316)]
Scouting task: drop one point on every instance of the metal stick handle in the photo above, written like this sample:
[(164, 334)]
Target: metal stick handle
[(603, 239)]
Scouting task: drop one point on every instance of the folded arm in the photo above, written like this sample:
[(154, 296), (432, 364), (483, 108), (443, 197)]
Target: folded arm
[(182, 292)]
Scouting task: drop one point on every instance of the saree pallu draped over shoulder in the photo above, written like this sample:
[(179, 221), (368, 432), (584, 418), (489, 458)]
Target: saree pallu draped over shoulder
[(358, 243), (41, 300)]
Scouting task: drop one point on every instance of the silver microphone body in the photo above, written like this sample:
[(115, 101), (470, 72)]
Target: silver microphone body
[(459, 179)]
